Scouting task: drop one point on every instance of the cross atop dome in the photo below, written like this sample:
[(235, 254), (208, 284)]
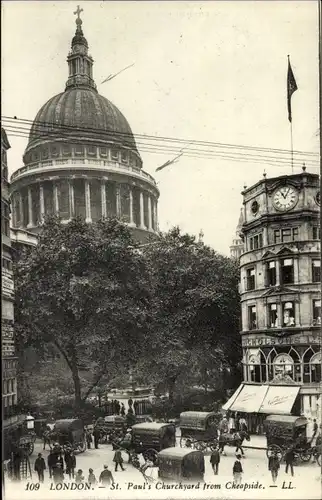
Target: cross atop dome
[(78, 20)]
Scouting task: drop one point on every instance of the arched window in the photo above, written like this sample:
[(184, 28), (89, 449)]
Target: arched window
[(256, 366), (283, 364), (297, 364), (315, 367)]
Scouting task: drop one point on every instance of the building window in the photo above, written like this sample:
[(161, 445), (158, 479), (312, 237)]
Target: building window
[(316, 271), (44, 154), (79, 150), (66, 150), (315, 368), (271, 273), (256, 242), (283, 365), (252, 318), (91, 151), (54, 151), (5, 217), (124, 157), (250, 278), (103, 152), (316, 312), (286, 235), (288, 314), (316, 233), (7, 264), (287, 271), (115, 154), (272, 316)]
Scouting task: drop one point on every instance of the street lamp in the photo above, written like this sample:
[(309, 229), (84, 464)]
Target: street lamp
[(30, 421)]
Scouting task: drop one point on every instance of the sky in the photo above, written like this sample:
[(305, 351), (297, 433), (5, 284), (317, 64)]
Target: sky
[(203, 71)]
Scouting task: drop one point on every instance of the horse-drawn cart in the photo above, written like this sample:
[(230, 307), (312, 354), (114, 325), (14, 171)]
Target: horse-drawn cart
[(70, 433), (284, 432), (198, 429)]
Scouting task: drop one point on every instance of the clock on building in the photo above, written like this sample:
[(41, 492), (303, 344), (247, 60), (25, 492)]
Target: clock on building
[(254, 207), (317, 198), (285, 198)]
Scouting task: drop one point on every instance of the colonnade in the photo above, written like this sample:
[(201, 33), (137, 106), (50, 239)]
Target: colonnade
[(144, 216)]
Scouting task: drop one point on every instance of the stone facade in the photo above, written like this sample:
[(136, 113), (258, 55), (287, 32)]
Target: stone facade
[(280, 285), (9, 361)]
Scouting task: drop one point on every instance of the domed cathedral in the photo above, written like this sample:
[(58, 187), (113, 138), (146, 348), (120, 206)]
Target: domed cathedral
[(82, 159), (280, 287)]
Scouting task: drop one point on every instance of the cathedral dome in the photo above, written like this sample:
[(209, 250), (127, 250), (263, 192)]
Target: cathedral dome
[(79, 114)]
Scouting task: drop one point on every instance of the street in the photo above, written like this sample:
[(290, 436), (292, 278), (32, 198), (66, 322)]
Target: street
[(130, 483)]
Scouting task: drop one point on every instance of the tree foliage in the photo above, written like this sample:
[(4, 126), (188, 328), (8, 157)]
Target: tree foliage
[(84, 290)]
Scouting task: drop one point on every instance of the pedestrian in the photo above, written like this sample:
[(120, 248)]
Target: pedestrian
[(289, 460), (215, 460), (237, 470), (274, 465), (122, 410), (91, 478), (130, 402), (70, 462), (243, 425), (79, 478), (88, 439), (232, 425), (97, 436), (58, 473), (314, 433), (117, 407), (118, 460), (40, 466), (51, 461), (222, 442), (238, 442), (106, 477)]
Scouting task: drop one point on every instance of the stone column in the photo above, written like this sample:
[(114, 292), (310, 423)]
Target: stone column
[(20, 209), (88, 212), (278, 272), (118, 202), (71, 199), (56, 202), (149, 213), (41, 202), (30, 214), (103, 198), (142, 226), (131, 207), (156, 215)]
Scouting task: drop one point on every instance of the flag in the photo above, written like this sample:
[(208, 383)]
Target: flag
[(291, 88)]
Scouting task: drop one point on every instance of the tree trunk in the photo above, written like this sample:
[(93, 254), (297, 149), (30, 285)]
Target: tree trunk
[(77, 388), (171, 386)]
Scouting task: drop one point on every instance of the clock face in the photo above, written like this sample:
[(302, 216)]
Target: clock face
[(285, 198), (254, 207), (317, 198)]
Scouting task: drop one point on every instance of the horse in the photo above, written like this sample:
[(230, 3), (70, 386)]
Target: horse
[(235, 439)]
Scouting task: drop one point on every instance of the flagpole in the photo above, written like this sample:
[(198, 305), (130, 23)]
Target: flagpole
[(291, 127)]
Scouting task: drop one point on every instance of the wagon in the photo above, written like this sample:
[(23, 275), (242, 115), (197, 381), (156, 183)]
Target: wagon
[(70, 433), (149, 439), (199, 429), (177, 464), (284, 432)]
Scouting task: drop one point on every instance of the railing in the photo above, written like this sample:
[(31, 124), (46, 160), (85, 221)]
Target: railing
[(33, 167)]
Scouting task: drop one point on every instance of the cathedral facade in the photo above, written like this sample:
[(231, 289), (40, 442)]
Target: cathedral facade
[(82, 159)]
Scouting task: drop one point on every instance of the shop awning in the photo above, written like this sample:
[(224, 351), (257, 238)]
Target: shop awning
[(232, 398), (279, 399), (247, 399)]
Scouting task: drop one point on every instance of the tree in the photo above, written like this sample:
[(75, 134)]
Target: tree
[(195, 308), (84, 290)]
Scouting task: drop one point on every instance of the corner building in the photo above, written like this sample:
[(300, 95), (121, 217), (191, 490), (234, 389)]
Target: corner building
[(82, 159), (280, 298), (9, 360)]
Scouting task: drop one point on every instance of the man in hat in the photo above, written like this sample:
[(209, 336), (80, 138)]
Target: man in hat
[(106, 477), (40, 466), (237, 470), (118, 460), (274, 465), (214, 460)]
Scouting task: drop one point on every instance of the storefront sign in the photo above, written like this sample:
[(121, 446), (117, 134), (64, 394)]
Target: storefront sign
[(7, 283), (268, 341)]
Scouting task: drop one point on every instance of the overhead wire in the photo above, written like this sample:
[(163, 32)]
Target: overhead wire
[(59, 127)]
